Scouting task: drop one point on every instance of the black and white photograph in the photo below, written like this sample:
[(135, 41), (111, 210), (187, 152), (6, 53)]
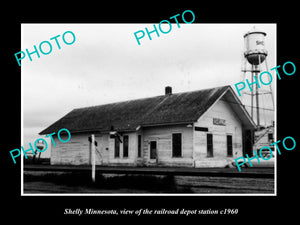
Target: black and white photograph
[(149, 111), (175, 113)]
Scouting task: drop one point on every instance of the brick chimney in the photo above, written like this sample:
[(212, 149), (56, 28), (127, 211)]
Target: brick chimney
[(168, 90)]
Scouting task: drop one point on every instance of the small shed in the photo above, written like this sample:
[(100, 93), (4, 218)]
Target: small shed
[(263, 137), (203, 128)]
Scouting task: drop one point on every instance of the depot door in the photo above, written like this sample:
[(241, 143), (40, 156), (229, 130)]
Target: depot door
[(153, 149), (248, 140)]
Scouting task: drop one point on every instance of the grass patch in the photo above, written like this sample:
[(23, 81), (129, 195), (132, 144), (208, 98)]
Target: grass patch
[(152, 183)]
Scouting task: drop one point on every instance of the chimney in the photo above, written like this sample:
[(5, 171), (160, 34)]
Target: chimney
[(168, 90)]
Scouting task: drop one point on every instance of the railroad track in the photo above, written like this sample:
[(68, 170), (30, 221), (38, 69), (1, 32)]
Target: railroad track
[(178, 171)]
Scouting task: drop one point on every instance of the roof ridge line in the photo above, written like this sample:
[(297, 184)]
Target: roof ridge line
[(138, 99)]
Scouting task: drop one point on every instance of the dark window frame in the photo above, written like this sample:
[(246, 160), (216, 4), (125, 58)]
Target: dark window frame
[(153, 154), (125, 146), (210, 145), (117, 148), (139, 146), (229, 145), (176, 145), (204, 129), (270, 137)]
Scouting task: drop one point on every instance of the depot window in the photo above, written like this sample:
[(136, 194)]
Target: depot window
[(176, 145)]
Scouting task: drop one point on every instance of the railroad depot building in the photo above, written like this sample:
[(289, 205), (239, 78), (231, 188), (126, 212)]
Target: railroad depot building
[(204, 128)]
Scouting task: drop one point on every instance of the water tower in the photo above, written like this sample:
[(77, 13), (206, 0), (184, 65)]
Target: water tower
[(40, 145), (255, 57)]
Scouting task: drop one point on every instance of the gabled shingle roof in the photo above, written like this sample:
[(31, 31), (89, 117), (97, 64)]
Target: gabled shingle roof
[(128, 115)]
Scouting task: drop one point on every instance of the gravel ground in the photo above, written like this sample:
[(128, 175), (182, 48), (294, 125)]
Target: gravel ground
[(68, 182)]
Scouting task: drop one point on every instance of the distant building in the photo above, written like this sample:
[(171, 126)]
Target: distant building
[(205, 128), (263, 137)]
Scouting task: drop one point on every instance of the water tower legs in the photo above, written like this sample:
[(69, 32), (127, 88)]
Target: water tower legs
[(257, 97)]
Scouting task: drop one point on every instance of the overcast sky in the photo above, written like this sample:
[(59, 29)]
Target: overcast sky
[(105, 64)]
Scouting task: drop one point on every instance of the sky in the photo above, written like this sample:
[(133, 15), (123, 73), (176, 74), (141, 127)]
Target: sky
[(105, 65)]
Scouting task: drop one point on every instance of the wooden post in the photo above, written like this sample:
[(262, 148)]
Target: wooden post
[(93, 158)]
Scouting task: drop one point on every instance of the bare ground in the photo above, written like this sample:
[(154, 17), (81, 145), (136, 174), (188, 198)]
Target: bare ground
[(71, 183)]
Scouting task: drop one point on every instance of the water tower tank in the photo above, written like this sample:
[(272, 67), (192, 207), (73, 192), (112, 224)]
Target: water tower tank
[(40, 145), (255, 51)]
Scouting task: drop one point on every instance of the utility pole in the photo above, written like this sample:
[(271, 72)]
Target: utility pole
[(93, 156)]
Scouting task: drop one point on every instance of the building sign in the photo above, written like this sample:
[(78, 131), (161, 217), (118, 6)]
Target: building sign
[(260, 43), (220, 122)]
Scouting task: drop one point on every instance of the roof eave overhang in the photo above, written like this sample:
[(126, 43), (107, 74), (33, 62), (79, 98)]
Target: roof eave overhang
[(247, 121), (168, 124), (237, 106), (98, 131)]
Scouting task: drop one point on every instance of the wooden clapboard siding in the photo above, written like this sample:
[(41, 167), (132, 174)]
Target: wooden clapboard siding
[(106, 146), (163, 136), (132, 151), (222, 110), (194, 144), (75, 151), (103, 153), (152, 119)]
